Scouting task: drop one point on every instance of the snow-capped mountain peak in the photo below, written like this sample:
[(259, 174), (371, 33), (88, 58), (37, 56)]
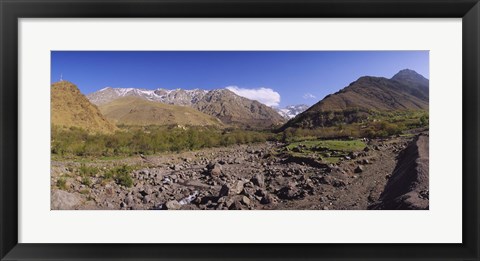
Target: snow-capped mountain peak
[(291, 111)]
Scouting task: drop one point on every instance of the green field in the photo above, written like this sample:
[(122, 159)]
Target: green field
[(327, 151)]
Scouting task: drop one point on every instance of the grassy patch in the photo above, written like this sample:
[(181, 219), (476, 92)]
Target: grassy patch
[(121, 175), (86, 181), (62, 183), (326, 151), (84, 191), (329, 145), (87, 171)]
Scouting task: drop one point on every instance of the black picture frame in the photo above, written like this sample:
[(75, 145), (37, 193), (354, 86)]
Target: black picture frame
[(12, 10)]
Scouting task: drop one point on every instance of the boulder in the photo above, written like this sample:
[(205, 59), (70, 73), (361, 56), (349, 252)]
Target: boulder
[(246, 200), (224, 191), (258, 180), (238, 187), (62, 200), (214, 169), (173, 205)]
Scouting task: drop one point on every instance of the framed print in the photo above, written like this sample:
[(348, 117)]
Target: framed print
[(255, 130)]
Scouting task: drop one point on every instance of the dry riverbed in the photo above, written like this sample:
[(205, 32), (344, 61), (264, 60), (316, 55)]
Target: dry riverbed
[(258, 176)]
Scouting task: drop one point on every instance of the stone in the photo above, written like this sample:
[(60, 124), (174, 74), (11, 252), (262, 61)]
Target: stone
[(147, 199), (173, 205), (246, 200), (267, 199), (235, 205), (224, 191), (215, 170), (238, 187), (359, 169), (258, 180), (353, 155), (290, 193), (338, 183), (64, 200)]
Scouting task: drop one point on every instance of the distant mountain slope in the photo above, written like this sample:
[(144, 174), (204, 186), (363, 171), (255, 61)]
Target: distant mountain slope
[(136, 111), (70, 108), (176, 97), (291, 111), (239, 111), (221, 103), (407, 90)]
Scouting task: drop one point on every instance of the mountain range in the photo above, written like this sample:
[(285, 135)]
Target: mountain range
[(223, 104), (101, 110)]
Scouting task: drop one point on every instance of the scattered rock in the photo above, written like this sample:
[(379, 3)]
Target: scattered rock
[(214, 169), (246, 200), (238, 187), (173, 205), (258, 180), (359, 169), (223, 191)]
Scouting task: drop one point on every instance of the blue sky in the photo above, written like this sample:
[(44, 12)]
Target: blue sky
[(276, 78)]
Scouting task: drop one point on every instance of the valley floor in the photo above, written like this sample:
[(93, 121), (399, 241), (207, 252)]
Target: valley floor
[(258, 176)]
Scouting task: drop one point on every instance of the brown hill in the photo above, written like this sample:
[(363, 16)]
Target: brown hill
[(407, 90), (137, 111), (70, 108), (238, 111)]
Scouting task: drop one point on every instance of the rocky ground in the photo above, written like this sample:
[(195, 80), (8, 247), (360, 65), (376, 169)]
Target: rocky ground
[(260, 176)]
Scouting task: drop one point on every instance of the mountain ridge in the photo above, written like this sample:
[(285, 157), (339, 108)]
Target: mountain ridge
[(405, 91), (229, 107)]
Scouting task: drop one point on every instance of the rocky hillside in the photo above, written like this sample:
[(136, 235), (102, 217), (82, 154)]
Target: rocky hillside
[(379, 93), (132, 110), (407, 90), (223, 104), (239, 111), (70, 108)]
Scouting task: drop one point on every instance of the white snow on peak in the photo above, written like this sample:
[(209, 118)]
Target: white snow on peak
[(104, 89)]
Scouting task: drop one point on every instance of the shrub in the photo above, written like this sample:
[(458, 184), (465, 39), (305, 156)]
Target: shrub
[(62, 183), (121, 175), (87, 170), (86, 181)]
